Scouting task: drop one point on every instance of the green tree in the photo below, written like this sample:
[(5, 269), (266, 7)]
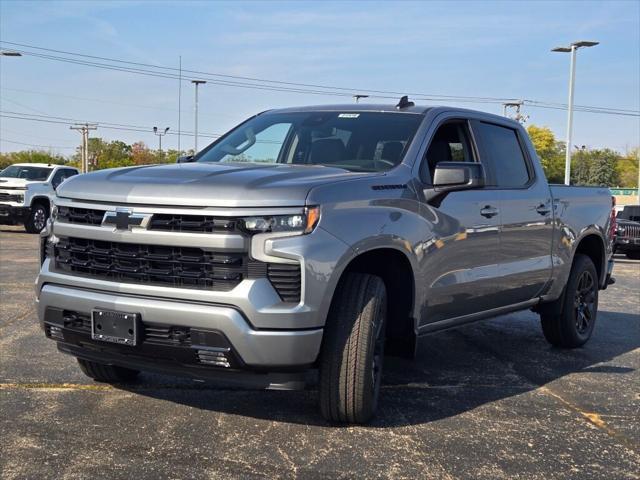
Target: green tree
[(30, 156), (598, 167), (603, 168), (550, 151), (627, 168)]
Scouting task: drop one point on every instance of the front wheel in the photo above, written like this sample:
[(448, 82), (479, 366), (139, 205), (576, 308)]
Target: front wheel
[(37, 218), (573, 326), (353, 350)]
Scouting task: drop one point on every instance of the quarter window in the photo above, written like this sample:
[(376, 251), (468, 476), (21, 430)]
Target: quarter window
[(503, 151)]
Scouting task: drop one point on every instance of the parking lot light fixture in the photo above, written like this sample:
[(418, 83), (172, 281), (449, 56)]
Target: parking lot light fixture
[(572, 75), (10, 53)]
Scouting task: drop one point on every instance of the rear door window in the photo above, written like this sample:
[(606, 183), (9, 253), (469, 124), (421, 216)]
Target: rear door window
[(503, 151)]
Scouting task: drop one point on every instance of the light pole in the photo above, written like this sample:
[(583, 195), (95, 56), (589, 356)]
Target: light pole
[(358, 96), (196, 83), (160, 135), (572, 77), (10, 53)]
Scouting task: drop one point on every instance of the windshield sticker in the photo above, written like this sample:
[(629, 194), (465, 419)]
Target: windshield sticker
[(349, 115)]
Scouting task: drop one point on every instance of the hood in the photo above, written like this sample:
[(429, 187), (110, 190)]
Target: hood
[(10, 183), (204, 184)]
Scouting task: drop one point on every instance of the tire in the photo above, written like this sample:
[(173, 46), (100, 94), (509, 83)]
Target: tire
[(353, 350), (107, 373), (37, 219), (634, 255), (578, 307)]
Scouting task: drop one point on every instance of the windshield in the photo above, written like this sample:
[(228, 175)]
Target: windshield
[(355, 141), (27, 173)]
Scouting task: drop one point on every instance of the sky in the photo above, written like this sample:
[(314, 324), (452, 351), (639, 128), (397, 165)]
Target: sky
[(474, 49)]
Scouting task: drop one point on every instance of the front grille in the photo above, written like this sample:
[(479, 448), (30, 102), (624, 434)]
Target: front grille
[(632, 231), (152, 333), (160, 222), (151, 264), (286, 279), (192, 223), (76, 321), (167, 335), (159, 342), (11, 197), (84, 216)]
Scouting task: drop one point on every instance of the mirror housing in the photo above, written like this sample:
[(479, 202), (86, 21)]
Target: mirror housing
[(185, 159), (452, 176)]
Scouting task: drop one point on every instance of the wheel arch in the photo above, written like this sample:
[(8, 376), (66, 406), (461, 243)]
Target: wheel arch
[(593, 246), (43, 199), (395, 269)]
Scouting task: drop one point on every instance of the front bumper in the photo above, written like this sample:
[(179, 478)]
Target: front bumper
[(251, 349), (11, 214), (626, 244)]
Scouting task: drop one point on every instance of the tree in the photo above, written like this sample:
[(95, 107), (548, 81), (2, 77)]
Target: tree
[(596, 167), (30, 156), (603, 168), (550, 151), (627, 168)]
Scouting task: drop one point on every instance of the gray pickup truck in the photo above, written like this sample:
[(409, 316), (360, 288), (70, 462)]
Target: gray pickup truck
[(316, 238)]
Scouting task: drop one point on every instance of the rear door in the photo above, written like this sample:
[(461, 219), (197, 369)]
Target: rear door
[(459, 258), (524, 265)]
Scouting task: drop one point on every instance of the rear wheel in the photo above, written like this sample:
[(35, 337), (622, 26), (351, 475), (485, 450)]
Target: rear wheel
[(107, 373), (573, 326), (353, 350), (633, 255), (37, 218)]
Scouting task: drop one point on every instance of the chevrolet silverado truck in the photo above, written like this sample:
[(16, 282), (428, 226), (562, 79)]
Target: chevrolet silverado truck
[(314, 238), (26, 190)]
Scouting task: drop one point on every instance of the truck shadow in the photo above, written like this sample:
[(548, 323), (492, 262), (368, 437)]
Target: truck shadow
[(455, 372)]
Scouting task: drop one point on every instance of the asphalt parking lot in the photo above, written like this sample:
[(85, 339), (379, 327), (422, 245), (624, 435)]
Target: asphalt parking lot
[(491, 400)]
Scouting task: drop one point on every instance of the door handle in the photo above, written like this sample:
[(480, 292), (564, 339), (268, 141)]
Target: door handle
[(489, 211), (543, 209)]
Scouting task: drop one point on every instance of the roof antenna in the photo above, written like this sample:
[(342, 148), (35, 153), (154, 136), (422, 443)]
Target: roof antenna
[(404, 103)]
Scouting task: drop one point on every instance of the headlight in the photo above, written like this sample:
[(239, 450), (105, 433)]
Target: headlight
[(302, 222)]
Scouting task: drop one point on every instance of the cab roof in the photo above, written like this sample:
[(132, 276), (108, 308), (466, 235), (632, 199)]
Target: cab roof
[(36, 165), (354, 107)]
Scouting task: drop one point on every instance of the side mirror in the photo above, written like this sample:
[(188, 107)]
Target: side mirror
[(451, 176), (185, 159)]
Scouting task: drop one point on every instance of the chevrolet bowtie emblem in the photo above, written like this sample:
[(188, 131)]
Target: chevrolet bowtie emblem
[(125, 219)]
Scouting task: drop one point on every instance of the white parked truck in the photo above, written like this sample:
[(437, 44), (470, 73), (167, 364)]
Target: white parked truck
[(26, 190)]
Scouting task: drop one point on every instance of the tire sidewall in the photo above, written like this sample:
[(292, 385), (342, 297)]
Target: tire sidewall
[(582, 263), (30, 224)]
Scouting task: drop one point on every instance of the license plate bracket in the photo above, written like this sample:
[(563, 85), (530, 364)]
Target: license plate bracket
[(115, 327)]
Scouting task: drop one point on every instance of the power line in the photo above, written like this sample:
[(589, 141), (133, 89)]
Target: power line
[(34, 145), (71, 121), (283, 86)]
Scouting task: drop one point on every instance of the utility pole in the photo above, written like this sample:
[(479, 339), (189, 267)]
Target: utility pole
[(196, 83), (572, 80), (160, 135), (179, 102), (518, 116), (84, 128)]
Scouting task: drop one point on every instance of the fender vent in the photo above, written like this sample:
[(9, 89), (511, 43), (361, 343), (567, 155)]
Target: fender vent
[(286, 279)]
